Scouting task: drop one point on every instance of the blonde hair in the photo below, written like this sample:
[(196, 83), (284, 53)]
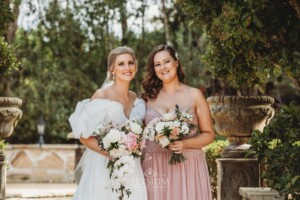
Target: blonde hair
[(113, 55)]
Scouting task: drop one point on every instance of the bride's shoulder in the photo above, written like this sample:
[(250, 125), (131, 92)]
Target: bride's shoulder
[(100, 94)]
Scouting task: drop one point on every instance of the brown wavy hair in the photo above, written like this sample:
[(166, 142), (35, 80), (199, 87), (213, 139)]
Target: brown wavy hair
[(151, 83)]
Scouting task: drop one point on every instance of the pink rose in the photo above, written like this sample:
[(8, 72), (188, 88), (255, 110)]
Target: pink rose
[(174, 133), (130, 141)]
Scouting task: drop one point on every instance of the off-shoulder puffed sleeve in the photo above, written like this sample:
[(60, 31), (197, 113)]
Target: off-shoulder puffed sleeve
[(139, 110), (87, 115)]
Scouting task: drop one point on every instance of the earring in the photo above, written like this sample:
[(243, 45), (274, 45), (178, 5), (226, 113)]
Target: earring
[(113, 77)]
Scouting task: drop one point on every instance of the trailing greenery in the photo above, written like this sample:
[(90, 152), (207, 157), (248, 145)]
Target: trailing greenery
[(212, 152), (250, 41), (277, 149)]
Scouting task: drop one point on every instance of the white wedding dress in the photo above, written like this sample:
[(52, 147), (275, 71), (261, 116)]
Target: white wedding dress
[(91, 172)]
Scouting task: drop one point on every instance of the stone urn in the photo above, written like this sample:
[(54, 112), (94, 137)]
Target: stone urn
[(10, 114), (236, 117)]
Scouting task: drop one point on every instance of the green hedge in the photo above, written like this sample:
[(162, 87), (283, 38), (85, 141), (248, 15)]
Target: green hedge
[(277, 149), (213, 151)]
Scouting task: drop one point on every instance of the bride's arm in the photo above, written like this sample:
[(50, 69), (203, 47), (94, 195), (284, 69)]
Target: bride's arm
[(92, 144), (206, 135)]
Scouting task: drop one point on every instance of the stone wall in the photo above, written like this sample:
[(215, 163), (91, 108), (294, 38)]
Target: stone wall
[(49, 163)]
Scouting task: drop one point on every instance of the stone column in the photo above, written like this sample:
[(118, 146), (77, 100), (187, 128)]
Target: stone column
[(2, 175), (10, 114), (234, 173)]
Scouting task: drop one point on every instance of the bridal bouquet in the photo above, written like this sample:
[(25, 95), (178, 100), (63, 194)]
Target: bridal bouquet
[(167, 129), (123, 144)]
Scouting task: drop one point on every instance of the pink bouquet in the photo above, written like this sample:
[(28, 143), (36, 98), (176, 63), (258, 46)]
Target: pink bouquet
[(169, 128)]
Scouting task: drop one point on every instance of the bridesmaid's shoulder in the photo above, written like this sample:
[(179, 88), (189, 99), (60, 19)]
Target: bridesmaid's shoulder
[(196, 93)]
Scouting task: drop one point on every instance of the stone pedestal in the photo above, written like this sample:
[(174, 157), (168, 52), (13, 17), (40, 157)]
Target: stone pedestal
[(234, 173), (10, 114), (2, 175), (257, 193)]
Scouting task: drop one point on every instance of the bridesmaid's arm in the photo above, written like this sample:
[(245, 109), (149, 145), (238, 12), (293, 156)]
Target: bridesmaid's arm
[(92, 144), (207, 134)]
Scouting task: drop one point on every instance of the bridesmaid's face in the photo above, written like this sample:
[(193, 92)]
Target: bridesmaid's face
[(124, 67), (165, 66)]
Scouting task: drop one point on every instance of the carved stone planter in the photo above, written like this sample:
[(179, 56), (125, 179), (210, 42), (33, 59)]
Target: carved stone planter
[(236, 117), (10, 114)]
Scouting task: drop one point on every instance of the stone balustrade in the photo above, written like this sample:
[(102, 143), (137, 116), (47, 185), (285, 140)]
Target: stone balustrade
[(50, 163)]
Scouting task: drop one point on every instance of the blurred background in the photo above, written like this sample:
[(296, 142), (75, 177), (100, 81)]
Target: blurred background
[(62, 47)]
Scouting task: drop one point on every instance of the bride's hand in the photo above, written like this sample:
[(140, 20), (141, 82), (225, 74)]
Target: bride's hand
[(105, 153), (177, 146)]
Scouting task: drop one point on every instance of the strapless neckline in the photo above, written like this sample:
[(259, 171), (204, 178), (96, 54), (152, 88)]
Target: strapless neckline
[(181, 108)]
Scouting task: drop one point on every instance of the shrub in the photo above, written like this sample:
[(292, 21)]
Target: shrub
[(277, 149), (213, 151), (8, 60)]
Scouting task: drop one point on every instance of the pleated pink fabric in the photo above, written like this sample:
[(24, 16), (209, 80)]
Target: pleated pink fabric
[(188, 180)]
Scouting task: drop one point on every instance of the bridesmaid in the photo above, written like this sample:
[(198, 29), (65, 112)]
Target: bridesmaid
[(164, 88)]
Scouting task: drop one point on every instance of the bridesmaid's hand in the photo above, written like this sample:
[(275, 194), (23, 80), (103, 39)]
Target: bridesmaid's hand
[(177, 146)]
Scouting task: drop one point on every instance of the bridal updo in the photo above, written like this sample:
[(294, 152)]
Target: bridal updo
[(152, 84)]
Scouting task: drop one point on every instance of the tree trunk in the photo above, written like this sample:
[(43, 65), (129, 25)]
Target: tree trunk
[(123, 14), (166, 24)]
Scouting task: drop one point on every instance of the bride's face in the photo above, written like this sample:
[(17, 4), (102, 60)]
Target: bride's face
[(165, 66), (124, 67)]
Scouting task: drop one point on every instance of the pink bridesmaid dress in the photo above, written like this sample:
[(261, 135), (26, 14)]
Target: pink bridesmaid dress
[(188, 180)]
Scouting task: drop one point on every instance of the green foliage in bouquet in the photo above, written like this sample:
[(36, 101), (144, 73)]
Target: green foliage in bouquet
[(177, 158), (277, 149)]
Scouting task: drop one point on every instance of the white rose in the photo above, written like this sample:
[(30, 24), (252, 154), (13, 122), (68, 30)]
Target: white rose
[(185, 129), (151, 136), (185, 115), (116, 153), (176, 124), (149, 133), (164, 141), (159, 127), (112, 137), (116, 184), (168, 116), (135, 128)]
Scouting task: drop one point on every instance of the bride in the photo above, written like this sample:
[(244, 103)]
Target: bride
[(113, 103)]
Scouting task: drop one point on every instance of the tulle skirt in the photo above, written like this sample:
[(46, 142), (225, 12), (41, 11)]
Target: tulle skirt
[(94, 180)]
